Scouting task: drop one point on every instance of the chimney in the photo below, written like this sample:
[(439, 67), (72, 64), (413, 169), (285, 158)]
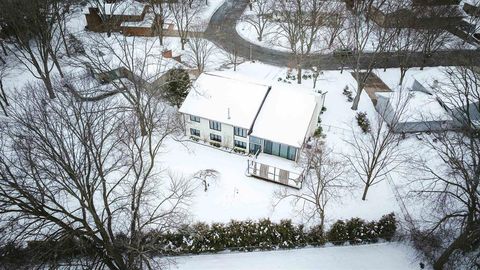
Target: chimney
[(228, 111)]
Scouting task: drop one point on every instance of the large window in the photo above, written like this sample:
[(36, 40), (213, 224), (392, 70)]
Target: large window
[(215, 125), (194, 118), (241, 132), (240, 144), (195, 132), (280, 150), (255, 145), (215, 137)]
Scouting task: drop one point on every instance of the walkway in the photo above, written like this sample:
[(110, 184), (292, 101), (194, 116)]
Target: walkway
[(221, 31)]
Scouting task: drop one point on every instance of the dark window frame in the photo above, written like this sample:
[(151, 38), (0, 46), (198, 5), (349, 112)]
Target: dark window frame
[(240, 132), (215, 137), (240, 144), (214, 125), (194, 132), (194, 118)]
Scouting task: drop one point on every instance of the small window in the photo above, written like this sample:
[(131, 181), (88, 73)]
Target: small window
[(215, 137), (194, 118), (241, 132), (195, 132), (240, 144), (215, 125)]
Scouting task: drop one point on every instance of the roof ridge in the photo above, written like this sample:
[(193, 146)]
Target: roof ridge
[(236, 79)]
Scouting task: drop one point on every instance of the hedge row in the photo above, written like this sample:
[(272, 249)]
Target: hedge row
[(235, 235), (267, 235)]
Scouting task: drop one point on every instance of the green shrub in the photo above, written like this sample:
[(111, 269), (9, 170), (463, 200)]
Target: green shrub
[(216, 144), (387, 226), (338, 233), (316, 236), (236, 235), (318, 132), (348, 94), (363, 121), (356, 230), (239, 150)]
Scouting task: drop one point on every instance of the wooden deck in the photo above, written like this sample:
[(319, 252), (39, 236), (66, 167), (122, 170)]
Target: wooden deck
[(274, 174)]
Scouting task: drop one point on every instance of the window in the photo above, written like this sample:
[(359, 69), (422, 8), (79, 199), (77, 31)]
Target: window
[(194, 118), (195, 132), (241, 132), (215, 125), (240, 144), (281, 150), (215, 137)]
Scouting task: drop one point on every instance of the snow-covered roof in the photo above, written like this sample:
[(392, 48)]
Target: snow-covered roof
[(214, 95), (147, 22), (286, 115), (126, 8), (420, 106)]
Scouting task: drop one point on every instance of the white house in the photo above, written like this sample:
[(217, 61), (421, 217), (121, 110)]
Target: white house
[(248, 116)]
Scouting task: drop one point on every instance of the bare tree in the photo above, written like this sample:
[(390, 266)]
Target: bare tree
[(260, 16), (133, 65), (448, 182), (200, 50), (232, 57), (300, 22), (333, 22), (161, 10), (377, 153), (82, 171), (184, 13), (325, 180), (365, 41), (3, 96), (432, 40), (405, 44), (33, 31)]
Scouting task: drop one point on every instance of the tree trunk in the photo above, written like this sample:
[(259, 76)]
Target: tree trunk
[(365, 190), (3, 109), (1, 60), (57, 64), (48, 84), (461, 242), (403, 72), (356, 100), (299, 74), (4, 96), (3, 48)]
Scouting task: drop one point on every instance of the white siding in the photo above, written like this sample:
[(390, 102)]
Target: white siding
[(226, 132)]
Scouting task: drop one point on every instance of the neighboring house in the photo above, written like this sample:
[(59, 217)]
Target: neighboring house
[(130, 17), (422, 113), (110, 16), (235, 112), (427, 108), (418, 14)]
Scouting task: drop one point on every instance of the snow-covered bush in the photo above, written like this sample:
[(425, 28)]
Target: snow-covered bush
[(348, 94), (387, 226), (338, 233), (356, 230), (363, 121), (316, 236), (236, 235)]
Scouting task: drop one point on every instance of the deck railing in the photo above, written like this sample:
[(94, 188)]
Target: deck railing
[(274, 174)]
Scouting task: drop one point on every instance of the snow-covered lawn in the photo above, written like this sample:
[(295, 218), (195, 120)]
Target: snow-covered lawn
[(391, 256), (237, 196)]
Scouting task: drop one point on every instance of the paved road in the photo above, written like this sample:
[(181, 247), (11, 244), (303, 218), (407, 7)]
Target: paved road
[(221, 31)]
